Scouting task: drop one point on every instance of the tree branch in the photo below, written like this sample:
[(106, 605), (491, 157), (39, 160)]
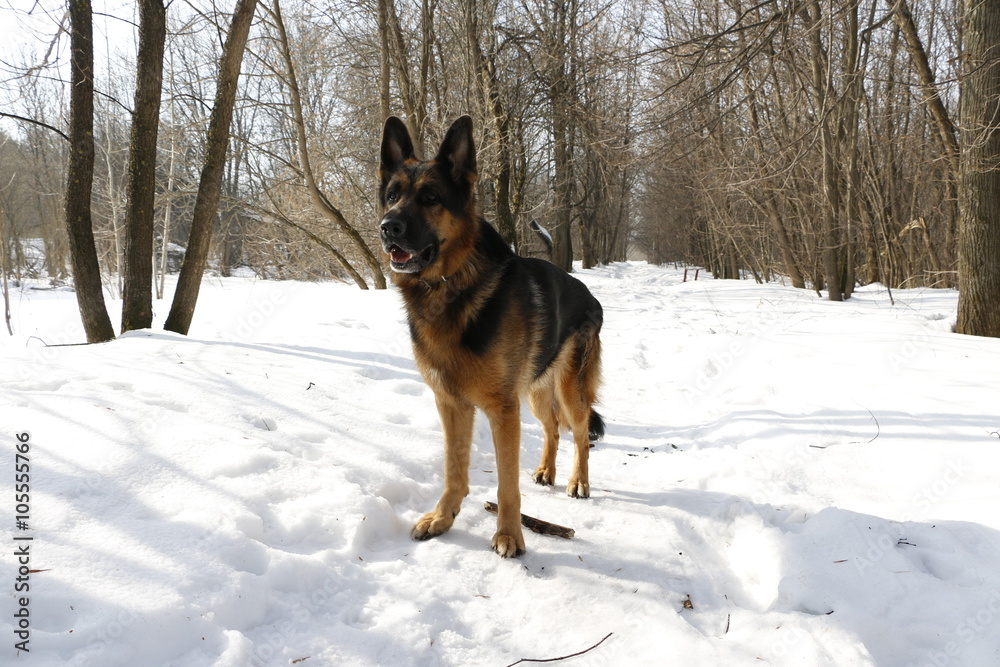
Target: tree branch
[(565, 657), (536, 525), (35, 122)]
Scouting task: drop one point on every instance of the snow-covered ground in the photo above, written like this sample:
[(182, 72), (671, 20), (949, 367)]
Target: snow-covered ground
[(785, 481)]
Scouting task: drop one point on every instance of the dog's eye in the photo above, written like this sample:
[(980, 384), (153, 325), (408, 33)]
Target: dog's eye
[(392, 197), (430, 198)]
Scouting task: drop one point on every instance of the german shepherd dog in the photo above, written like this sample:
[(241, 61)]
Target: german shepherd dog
[(488, 328)]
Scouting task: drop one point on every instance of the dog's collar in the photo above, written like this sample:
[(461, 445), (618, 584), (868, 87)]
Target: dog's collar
[(443, 280), (434, 285)]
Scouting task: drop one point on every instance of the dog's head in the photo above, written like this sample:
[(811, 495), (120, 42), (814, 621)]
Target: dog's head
[(428, 208)]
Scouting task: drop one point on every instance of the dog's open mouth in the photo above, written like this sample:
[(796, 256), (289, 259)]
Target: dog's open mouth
[(403, 261), (399, 256)]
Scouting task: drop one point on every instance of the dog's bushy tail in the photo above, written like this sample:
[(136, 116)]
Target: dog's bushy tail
[(596, 426)]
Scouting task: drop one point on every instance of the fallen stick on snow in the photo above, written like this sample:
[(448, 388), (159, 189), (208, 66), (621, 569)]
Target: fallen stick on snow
[(537, 525), (565, 657)]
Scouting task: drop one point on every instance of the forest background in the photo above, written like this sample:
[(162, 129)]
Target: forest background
[(831, 142)]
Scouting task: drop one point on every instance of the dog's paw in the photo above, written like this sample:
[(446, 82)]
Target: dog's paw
[(508, 545), (578, 489), (545, 476), (431, 525)]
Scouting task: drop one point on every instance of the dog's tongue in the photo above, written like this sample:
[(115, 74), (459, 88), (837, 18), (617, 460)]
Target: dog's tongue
[(399, 257)]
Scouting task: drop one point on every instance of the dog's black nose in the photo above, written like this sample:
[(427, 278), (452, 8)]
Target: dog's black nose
[(393, 228)]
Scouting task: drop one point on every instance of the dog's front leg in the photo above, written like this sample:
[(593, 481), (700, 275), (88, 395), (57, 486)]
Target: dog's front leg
[(505, 423), (457, 420)]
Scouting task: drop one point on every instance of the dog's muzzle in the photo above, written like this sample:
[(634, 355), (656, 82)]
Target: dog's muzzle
[(406, 253)]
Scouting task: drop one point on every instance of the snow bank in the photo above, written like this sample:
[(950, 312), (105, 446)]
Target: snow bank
[(785, 481)]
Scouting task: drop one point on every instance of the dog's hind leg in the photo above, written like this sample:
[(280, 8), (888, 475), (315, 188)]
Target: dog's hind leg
[(542, 401), (577, 414), (576, 391), (457, 421)]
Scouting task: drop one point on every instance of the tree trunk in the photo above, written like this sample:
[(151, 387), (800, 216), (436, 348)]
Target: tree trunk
[(113, 201), (559, 39), (770, 208), (489, 84), (588, 251), (945, 128), (822, 85), (562, 237), (80, 177), (3, 271), (784, 244), (169, 208), (137, 296), (398, 52), (210, 186), (383, 58), (979, 185)]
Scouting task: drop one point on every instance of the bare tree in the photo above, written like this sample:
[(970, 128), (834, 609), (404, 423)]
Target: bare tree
[(210, 185), (560, 18), (137, 296), (928, 84), (979, 188), (80, 177), (3, 270), (488, 79), (808, 139), (319, 200)]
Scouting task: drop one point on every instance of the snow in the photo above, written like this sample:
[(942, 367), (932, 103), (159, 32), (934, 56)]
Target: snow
[(784, 481)]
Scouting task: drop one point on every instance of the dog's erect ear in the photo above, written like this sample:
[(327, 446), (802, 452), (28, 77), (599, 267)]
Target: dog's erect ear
[(458, 152), (396, 145)]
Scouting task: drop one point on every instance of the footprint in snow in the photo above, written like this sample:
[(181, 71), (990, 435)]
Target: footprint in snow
[(119, 386), (166, 404), (263, 423), (371, 372), (246, 556), (409, 388), (40, 385)]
